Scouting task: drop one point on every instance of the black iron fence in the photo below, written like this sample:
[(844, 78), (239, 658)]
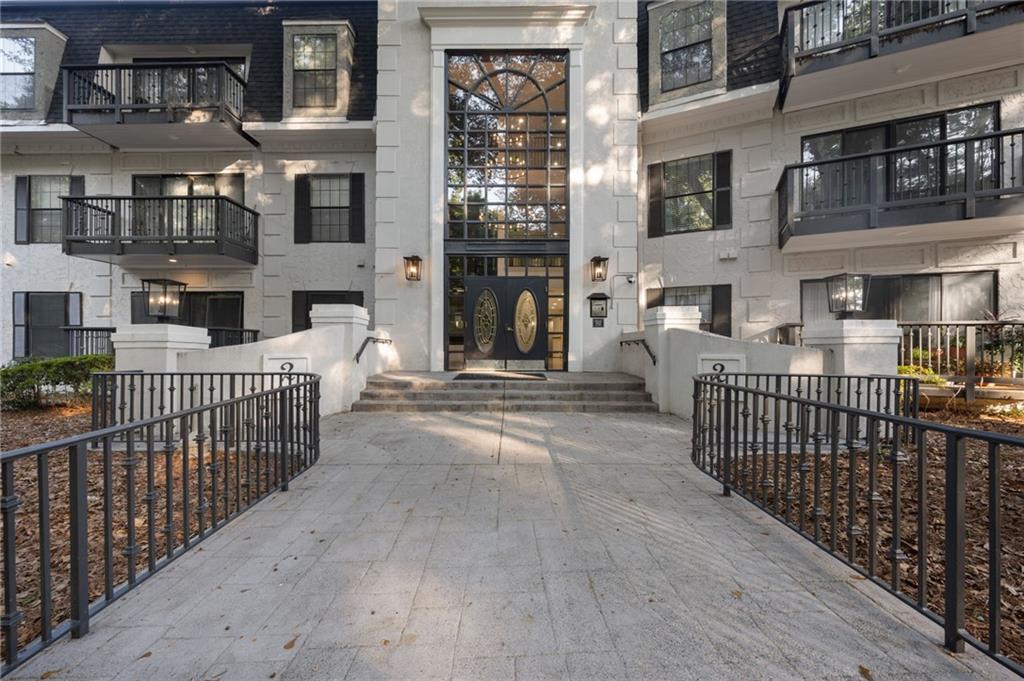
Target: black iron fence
[(123, 89), (125, 223), (222, 336), (916, 507), (89, 340), (953, 179), (88, 518)]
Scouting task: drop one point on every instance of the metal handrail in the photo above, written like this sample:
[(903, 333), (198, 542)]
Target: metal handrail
[(642, 342), (238, 451), (818, 466), (371, 339)]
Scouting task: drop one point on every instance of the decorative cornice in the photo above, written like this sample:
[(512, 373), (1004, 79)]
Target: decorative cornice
[(467, 16)]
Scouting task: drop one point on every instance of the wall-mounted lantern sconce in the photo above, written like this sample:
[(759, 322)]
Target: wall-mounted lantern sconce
[(163, 298), (847, 293), (598, 268), (413, 267)]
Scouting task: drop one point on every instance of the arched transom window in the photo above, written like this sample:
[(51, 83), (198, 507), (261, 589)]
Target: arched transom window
[(507, 145)]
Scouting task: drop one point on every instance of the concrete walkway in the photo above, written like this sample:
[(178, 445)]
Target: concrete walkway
[(515, 546)]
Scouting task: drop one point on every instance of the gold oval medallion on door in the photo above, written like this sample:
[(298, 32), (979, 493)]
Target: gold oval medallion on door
[(485, 321), (526, 321)]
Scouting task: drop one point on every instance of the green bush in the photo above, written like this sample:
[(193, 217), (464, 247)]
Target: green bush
[(32, 382), (924, 374)]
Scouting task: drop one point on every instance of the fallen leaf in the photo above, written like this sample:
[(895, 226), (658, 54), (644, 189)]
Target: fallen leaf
[(146, 654), (865, 673), (385, 642), (291, 643), (737, 595), (50, 674)]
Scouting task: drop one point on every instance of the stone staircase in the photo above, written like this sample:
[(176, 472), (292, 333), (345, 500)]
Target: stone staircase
[(410, 391)]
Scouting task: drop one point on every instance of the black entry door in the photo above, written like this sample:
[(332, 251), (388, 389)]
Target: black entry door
[(507, 322)]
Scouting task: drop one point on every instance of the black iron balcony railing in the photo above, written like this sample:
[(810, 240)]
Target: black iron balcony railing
[(924, 510), (175, 89), (955, 179), (121, 225), (88, 518), (222, 336), (89, 340)]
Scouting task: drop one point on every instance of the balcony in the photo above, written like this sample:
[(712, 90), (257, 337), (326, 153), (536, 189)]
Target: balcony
[(953, 189), (163, 231), (835, 47), (89, 340), (168, 105)]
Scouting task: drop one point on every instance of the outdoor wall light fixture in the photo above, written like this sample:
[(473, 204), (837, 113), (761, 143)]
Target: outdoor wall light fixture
[(847, 293), (163, 298), (598, 268), (413, 267)]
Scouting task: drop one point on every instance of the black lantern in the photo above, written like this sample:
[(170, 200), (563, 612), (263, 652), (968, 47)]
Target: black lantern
[(847, 293), (598, 268), (413, 267), (163, 298)]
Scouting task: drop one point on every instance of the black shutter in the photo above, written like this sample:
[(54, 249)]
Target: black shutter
[(723, 190), (655, 297), (76, 187), (357, 208), (300, 311), (20, 316), (655, 202), (303, 215), (721, 310), (21, 208)]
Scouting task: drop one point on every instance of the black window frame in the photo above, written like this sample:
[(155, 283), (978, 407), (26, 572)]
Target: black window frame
[(346, 210), (899, 277), (321, 72), (31, 74), (301, 304), (24, 212), (188, 307), (720, 321), (721, 194), (686, 48), (73, 320), (889, 127)]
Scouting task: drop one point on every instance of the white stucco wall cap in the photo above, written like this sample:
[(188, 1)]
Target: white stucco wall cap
[(449, 16), (163, 336), (672, 315), (851, 331), (326, 315)]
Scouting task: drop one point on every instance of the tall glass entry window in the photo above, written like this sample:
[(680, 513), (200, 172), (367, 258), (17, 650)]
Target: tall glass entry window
[(507, 146), (507, 216)]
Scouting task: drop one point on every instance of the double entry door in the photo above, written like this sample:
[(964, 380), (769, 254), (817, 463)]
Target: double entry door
[(507, 323)]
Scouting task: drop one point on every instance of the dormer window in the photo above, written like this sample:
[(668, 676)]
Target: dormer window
[(315, 64), (686, 54), (17, 72)]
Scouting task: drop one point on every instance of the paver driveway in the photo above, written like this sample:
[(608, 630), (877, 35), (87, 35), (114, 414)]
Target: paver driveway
[(516, 546)]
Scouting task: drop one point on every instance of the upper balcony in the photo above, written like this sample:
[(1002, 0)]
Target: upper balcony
[(833, 48), (953, 189), (163, 231), (129, 106)]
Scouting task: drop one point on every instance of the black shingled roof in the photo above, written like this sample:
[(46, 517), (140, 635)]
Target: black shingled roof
[(89, 25)]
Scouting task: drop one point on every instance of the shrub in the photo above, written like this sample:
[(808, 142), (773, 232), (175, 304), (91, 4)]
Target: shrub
[(924, 374), (32, 382)]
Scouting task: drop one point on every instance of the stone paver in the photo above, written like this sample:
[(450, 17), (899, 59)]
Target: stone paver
[(515, 546)]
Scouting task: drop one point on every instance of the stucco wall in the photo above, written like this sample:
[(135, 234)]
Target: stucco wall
[(284, 266), (765, 281)]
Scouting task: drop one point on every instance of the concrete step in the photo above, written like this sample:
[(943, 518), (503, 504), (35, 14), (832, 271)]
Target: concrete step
[(508, 395), (532, 386), (500, 405)]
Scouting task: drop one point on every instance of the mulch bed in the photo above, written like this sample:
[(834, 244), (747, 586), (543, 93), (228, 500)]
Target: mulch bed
[(749, 473), (109, 563)]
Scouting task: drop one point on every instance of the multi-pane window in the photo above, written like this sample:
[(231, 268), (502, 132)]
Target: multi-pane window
[(17, 73), (685, 46), (714, 303), (315, 70), (954, 296), (690, 194), (329, 207), (507, 146), (40, 321), (45, 207)]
